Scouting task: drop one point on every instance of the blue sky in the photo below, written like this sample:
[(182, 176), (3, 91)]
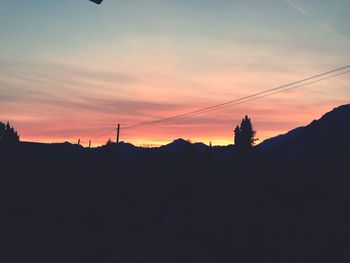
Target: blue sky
[(32, 28), (164, 57)]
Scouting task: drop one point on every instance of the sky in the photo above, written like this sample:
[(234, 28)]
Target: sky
[(73, 70)]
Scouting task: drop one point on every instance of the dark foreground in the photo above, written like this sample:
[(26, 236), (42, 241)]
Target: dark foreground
[(60, 203)]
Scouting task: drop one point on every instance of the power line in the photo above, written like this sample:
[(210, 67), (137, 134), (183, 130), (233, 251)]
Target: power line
[(280, 91), (261, 94), (256, 96), (104, 134)]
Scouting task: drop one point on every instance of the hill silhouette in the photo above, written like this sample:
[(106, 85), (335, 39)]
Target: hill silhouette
[(325, 134), (330, 131), (286, 200)]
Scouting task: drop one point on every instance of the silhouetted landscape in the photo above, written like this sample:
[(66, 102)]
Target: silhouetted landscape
[(285, 200)]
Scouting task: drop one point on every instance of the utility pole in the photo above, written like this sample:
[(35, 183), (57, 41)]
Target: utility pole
[(118, 131), (90, 144), (79, 142)]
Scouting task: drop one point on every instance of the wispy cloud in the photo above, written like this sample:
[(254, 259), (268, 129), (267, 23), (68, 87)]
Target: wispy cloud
[(325, 27), (297, 7), (57, 101), (337, 33)]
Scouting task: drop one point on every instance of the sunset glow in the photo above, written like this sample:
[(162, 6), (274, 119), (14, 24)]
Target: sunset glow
[(73, 70)]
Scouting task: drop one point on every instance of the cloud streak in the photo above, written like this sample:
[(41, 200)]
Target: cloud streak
[(55, 105), (297, 7), (325, 27)]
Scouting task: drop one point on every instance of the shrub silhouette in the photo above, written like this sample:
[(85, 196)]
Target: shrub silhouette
[(245, 135), (7, 134)]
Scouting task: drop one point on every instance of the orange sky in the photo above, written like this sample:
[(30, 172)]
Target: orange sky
[(77, 78)]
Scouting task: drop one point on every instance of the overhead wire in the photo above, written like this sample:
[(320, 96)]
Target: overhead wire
[(104, 134), (269, 92), (277, 92), (242, 99)]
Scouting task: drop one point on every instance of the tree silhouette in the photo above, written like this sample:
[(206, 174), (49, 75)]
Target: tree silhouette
[(245, 135), (237, 136), (109, 142), (2, 129), (7, 134)]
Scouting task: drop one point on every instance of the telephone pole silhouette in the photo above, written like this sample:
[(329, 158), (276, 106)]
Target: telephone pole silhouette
[(118, 132)]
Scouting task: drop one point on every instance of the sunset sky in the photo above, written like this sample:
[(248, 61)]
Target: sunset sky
[(72, 69)]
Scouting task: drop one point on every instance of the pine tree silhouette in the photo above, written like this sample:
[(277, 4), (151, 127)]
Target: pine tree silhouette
[(2, 129), (237, 136), (7, 134), (245, 135)]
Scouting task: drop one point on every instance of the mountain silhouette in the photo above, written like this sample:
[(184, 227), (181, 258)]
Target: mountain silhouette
[(328, 135)]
